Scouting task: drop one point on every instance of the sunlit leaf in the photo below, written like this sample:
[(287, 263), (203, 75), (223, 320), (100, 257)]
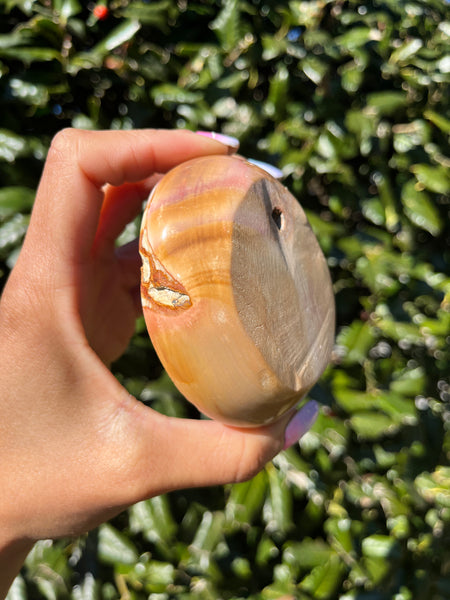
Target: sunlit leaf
[(380, 546), (372, 425), (438, 120), (387, 103), (406, 50), (115, 547), (227, 25), (435, 179), (26, 91), (246, 499), (420, 209), (67, 8), (354, 38), (435, 486), (307, 554), (324, 580), (119, 35), (356, 340)]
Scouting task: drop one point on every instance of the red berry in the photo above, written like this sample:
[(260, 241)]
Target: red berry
[(101, 12)]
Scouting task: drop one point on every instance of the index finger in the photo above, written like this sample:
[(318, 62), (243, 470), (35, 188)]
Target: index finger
[(80, 163)]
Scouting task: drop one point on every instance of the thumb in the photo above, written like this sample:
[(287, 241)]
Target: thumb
[(198, 453)]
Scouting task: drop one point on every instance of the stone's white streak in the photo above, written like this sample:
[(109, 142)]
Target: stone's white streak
[(144, 243), (168, 297), (145, 271)]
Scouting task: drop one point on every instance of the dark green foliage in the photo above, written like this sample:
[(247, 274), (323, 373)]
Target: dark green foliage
[(351, 99)]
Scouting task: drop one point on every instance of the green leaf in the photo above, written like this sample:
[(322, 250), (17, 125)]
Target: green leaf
[(307, 554), (155, 575), (227, 25), (31, 55), (404, 52), (12, 233), (28, 92), (278, 507), (11, 145), (273, 46), (380, 546), (66, 8), (153, 519), (246, 499), (373, 210), (371, 425), (15, 199), (401, 410), (306, 13), (352, 77), (340, 534), (314, 68), (420, 209), (279, 85), (363, 126), (354, 38), (377, 570), (15, 38), (169, 95), (435, 486), (115, 547), (209, 532), (435, 179), (18, 589), (48, 568), (87, 589), (410, 382), (386, 103), (324, 580), (439, 120), (266, 551), (388, 199), (355, 340), (119, 35), (155, 13), (353, 401)]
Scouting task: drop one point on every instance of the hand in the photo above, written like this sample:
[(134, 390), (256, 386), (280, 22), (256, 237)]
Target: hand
[(76, 448)]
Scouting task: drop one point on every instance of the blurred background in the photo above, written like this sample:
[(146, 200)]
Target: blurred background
[(351, 100)]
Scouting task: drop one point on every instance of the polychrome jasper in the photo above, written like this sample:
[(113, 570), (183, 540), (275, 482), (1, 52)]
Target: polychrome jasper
[(236, 292)]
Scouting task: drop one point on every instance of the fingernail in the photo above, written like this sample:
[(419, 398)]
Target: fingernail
[(274, 171), (228, 140), (300, 423)]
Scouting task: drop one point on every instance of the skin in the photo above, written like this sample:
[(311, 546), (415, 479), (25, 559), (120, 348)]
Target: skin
[(76, 448)]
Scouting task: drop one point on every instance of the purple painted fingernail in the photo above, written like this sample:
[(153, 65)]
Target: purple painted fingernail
[(228, 140), (300, 423), (274, 171)]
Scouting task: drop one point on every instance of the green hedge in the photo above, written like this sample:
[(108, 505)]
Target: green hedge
[(351, 100)]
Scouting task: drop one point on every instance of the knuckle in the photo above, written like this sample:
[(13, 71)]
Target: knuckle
[(63, 139), (65, 143)]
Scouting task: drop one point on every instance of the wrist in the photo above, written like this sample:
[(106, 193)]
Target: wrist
[(12, 557)]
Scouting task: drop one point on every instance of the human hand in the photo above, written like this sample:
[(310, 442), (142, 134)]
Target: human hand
[(76, 448)]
